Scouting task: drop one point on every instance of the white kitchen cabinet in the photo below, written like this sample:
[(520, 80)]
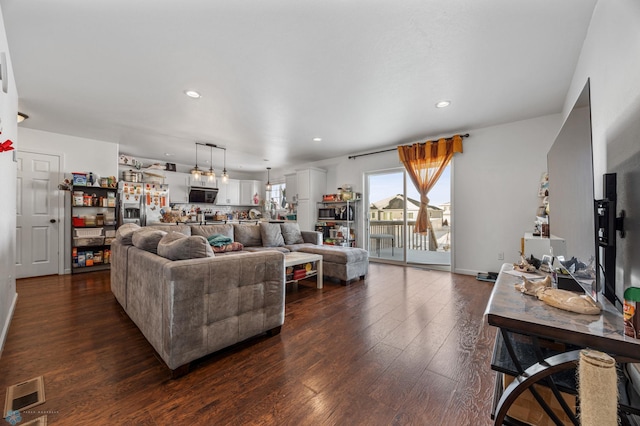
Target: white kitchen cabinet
[(310, 185), (178, 186), (202, 182), (251, 192), (229, 193), (305, 217), (291, 185)]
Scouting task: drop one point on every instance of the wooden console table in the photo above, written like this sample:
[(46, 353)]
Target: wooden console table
[(520, 317)]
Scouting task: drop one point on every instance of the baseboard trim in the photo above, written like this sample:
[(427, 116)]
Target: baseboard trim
[(466, 271), (5, 327)]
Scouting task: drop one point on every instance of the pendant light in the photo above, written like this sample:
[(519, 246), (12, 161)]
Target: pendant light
[(268, 186), (211, 174), (196, 171), (225, 175)]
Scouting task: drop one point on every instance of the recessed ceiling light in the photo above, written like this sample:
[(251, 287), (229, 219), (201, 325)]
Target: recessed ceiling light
[(443, 104), (317, 139), (192, 94), (167, 154)]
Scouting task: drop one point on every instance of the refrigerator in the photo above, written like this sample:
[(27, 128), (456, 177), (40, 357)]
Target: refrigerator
[(141, 203), (156, 200)]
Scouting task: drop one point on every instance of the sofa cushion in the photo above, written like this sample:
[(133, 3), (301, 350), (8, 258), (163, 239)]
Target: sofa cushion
[(297, 247), (271, 235), (125, 233), (177, 246), (291, 233), (259, 249), (337, 254), (248, 235), (169, 227), (147, 239), (209, 230)]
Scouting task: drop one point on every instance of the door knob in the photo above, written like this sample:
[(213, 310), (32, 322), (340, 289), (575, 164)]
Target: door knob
[(52, 220)]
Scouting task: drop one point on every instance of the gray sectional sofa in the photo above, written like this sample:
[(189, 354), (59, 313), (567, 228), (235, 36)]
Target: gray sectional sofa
[(189, 302)]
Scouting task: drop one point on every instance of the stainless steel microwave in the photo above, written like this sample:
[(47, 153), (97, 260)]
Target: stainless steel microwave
[(327, 213), (202, 195)]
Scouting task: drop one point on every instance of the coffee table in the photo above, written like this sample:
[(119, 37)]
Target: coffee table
[(298, 258)]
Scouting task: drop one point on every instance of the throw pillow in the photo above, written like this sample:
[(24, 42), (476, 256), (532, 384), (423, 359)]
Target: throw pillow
[(271, 235), (177, 246), (125, 233), (291, 233), (147, 239), (235, 246), (247, 235), (183, 229), (207, 230)]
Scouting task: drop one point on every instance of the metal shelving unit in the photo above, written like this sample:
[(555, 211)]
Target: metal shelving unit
[(92, 223), (349, 221)]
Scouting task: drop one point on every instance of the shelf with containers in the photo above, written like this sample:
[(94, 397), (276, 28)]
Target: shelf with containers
[(337, 219), (93, 227)]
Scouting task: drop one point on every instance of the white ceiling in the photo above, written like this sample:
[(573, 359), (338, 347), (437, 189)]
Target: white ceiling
[(361, 74)]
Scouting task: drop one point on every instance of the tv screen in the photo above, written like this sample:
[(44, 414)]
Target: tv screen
[(571, 193)]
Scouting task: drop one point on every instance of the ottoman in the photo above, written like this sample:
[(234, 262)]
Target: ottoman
[(342, 263)]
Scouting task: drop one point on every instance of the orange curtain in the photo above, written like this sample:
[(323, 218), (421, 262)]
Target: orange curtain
[(425, 163)]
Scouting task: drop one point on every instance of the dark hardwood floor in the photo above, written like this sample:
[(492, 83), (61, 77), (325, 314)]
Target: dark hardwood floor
[(404, 347)]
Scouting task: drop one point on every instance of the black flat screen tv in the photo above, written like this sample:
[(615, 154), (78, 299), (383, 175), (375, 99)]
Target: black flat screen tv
[(571, 194)]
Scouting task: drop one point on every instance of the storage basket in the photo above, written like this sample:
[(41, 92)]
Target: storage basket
[(86, 233), (78, 221), (88, 241)]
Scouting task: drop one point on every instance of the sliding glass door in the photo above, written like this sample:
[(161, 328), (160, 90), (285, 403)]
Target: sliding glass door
[(386, 215), (392, 207)]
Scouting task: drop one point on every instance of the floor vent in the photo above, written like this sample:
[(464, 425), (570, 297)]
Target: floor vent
[(24, 395)]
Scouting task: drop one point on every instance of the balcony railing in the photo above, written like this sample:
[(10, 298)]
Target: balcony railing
[(414, 240)]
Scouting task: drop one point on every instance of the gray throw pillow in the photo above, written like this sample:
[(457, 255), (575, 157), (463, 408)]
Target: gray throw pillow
[(147, 239), (247, 235), (125, 233), (208, 230), (271, 235), (291, 233), (183, 229), (177, 246)]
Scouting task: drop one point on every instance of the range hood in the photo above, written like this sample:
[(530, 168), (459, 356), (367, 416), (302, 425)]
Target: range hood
[(199, 194)]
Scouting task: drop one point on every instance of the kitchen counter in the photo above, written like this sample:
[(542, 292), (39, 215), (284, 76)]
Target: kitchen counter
[(220, 222)]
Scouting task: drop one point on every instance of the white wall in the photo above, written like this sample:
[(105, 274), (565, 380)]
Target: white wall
[(495, 183), (8, 113), (77, 155), (611, 59), (495, 186)]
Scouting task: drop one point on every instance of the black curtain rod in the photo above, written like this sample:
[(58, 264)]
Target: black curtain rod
[(351, 157)]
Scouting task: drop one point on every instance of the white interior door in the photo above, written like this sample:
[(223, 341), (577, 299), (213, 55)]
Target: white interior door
[(38, 225)]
